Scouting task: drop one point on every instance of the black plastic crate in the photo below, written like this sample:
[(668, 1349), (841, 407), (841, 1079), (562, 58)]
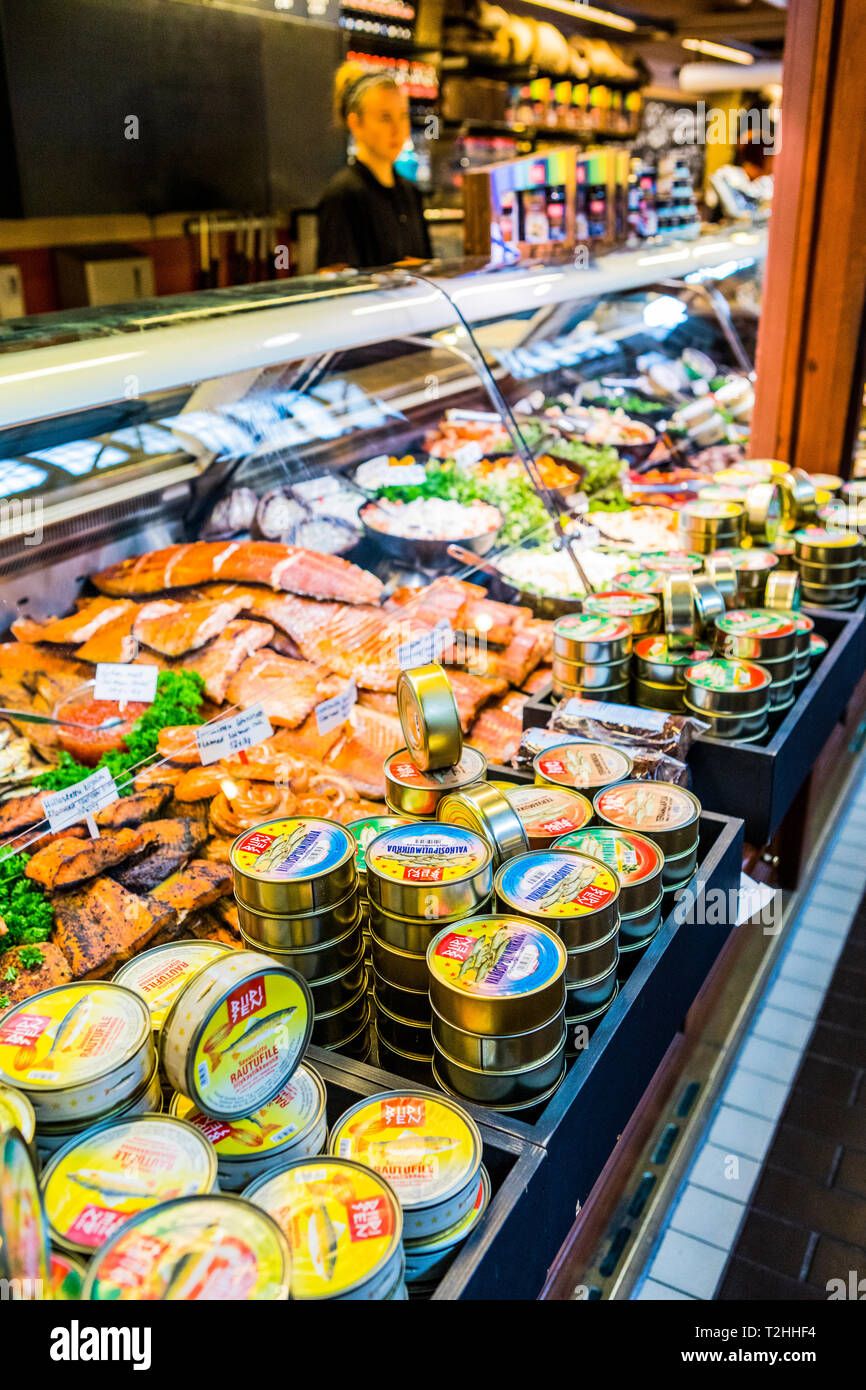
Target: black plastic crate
[(757, 782)]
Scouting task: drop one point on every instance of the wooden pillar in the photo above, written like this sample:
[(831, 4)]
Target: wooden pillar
[(810, 343)]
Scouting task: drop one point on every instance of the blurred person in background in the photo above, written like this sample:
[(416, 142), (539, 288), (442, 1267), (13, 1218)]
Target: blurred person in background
[(369, 214)]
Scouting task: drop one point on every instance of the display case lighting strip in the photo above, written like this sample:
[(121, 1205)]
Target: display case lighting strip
[(592, 13)]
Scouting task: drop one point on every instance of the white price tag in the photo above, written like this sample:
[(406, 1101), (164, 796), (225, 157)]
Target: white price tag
[(73, 804), (420, 651), (606, 712), (330, 714), (125, 681), (468, 454), (232, 735)]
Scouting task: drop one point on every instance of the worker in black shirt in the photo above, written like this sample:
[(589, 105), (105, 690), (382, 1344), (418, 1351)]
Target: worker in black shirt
[(370, 215)]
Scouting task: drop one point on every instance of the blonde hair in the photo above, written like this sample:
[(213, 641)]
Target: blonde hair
[(352, 80)]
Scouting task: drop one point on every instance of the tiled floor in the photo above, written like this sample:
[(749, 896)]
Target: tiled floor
[(787, 1201)]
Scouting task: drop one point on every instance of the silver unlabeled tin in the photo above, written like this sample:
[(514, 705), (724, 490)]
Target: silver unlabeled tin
[(400, 968), (411, 934), (332, 1029), (591, 964), (406, 1034), (319, 962), (488, 812), (576, 674), (497, 1051), (298, 931), (403, 1003), (589, 994), (493, 1087), (332, 991)]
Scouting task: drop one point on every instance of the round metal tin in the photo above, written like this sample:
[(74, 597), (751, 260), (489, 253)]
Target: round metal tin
[(428, 870), (492, 1087), (783, 549), (147, 1099), (798, 498), (662, 811), (817, 645), (750, 565), (709, 602), (679, 611), (640, 610), (77, 1050), (409, 791), (401, 968), (631, 956), (414, 1065), (428, 1148), (548, 811), (497, 1051), (824, 596), (159, 974), (655, 663), (782, 695), (829, 576), (296, 864), (411, 934), (485, 810), (429, 717), (816, 545), (598, 676), (723, 686), (672, 561), (782, 591), (107, 1174), (497, 974), (589, 992), (591, 638), (235, 1034), (343, 1223), (520, 1107), (648, 695), (638, 926), (292, 1125), (299, 931), (406, 1034), (16, 1112), (334, 991), (364, 831), (708, 518), (636, 861), (428, 1259), (573, 894), (827, 482), (781, 668), (199, 1248), (337, 1027), (358, 1043), (645, 580), (24, 1252), (724, 578), (742, 727), (590, 965), (580, 1028), (581, 766), (317, 962), (756, 634), (763, 503), (679, 868), (611, 694), (413, 1004)]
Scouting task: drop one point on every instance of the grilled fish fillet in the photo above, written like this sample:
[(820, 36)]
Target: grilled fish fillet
[(101, 925), (166, 846), (68, 860), (54, 970), (196, 886)]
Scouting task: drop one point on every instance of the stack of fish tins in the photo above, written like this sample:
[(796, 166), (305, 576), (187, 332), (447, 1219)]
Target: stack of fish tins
[(363, 831), (782, 590), (497, 989), (765, 636), (637, 605), (487, 811), (577, 897), (414, 794), (590, 656), (420, 876), (642, 580), (733, 697), (706, 526), (580, 766), (658, 672), (345, 1227), (830, 564), (80, 1054), (430, 1152), (638, 864), (548, 811), (752, 569), (805, 630), (296, 888), (669, 816)]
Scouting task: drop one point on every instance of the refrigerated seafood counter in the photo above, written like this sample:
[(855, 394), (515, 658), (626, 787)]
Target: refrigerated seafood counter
[(384, 658)]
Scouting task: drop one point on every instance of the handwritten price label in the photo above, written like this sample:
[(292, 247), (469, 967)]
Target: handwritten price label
[(420, 651), (232, 735), (73, 804), (119, 681), (330, 714)]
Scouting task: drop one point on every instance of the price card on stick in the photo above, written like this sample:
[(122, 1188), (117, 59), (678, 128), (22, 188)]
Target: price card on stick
[(331, 713), (232, 735), (429, 646), (82, 801), (125, 682)]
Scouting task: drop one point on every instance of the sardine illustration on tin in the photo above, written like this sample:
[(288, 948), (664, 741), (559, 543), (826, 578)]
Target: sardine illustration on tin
[(568, 888), (281, 848), (486, 953), (118, 1187), (323, 1241), (253, 1036), (188, 1274), (71, 1026)]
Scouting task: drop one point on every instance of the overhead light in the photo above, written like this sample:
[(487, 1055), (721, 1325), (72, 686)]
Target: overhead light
[(717, 50), (576, 10)]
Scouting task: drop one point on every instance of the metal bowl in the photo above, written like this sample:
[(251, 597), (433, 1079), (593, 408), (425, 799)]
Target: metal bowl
[(413, 551)]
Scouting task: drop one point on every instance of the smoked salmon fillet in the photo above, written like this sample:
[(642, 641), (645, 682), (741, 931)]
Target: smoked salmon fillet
[(101, 925), (68, 861), (176, 628)]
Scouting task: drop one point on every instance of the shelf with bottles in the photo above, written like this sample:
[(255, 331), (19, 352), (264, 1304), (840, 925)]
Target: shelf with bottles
[(418, 76)]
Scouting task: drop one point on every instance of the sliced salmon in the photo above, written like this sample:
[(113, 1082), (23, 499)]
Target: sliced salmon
[(176, 628), (68, 861), (166, 846), (113, 641), (132, 810), (287, 690), (177, 742), (218, 662)]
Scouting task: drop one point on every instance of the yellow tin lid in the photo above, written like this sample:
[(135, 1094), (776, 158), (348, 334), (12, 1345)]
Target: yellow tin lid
[(70, 1035), (426, 1146), (23, 1239), (194, 1249), (557, 883), (159, 974), (428, 852), (343, 1222), (16, 1112), (280, 1123), (497, 957), (293, 864), (102, 1177)]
